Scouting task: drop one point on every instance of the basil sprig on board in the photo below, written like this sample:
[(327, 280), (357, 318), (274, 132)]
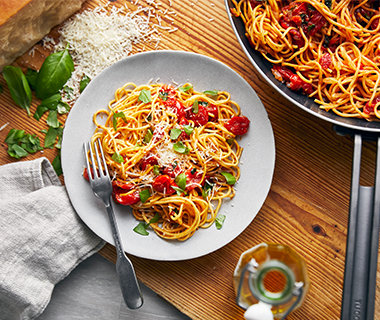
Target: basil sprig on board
[(54, 73), (47, 82), (18, 87)]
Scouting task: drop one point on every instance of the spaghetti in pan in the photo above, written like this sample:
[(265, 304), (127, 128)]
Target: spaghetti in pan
[(173, 154), (326, 49)]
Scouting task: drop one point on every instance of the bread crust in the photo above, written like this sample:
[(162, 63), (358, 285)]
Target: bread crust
[(25, 22)]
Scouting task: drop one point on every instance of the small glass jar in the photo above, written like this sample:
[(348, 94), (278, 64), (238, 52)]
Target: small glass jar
[(271, 280)]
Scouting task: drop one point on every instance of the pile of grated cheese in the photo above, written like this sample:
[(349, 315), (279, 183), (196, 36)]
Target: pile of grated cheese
[(98, 38)]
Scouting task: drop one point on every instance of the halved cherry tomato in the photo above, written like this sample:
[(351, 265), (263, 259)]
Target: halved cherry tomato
[(116, 184), (200, 118), (238, 125), (166, 92), (127, 199), (293, 81), (85, 174), (163, 184), (172, 170), (212, 111), (325, 61), (176, 106), (149, 159), (193, 179), (368, 109)]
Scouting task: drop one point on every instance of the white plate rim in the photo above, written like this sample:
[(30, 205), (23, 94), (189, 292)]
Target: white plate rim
[(205, 73)]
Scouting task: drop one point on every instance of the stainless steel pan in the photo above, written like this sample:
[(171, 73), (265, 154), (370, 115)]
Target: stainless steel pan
[(358, 300)]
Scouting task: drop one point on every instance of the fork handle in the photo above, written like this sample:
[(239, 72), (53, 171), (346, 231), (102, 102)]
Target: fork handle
[(129, 285)]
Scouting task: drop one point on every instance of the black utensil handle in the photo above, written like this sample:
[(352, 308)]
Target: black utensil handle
[(372, 274), (362, 241)]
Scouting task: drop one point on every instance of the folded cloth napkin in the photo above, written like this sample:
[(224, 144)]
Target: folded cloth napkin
[(41, 237)]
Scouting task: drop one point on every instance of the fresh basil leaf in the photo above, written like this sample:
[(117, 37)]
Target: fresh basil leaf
[(63, 107), (148, 136), (156, 170), (59, 134), (180, 148), (51, 102), (15, 151), (230, 141), (57, 165), (145, 96), (50, 137), (193, 171), (184, 89), (39, 112), (141, 229), (14, 136), (154, 219), (117, 157), (212, 93), (163, 95), (144, 195), (179, 191), (206, 189), (43, 131), (52, 119), (31, 77), (31, 143), (83, 83), (18, 87), (195, 107), (188, 129), (219, 221), (54, 73), (118, 115), (180, 180), (229, 177), (175, 133)]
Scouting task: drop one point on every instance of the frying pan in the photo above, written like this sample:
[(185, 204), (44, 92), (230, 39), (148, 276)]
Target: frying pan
[(358, 299)]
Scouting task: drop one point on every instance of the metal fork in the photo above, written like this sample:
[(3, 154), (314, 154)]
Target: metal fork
[(102, 187)]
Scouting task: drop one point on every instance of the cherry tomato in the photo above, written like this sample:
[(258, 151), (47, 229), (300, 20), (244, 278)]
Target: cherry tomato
[(163, 184), (117, 185), (238, 125), (368, 109), (85, 174), (200, 118), (149, 159), (172, 170), (212, 111), (293, 81), (325, 61), (176, 106), (193, 179), (165, 92), (127, 199)]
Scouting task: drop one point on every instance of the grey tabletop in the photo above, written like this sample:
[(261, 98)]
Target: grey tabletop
[(92, 291)]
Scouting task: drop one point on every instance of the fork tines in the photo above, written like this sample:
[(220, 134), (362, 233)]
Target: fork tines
[(100, 161)]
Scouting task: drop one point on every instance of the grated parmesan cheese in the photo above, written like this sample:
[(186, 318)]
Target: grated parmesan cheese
[(98, 38)]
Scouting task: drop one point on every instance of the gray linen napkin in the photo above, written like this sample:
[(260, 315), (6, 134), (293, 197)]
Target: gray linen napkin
[(41, 238)]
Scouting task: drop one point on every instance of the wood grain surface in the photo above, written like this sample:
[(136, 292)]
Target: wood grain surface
[(307, 206)]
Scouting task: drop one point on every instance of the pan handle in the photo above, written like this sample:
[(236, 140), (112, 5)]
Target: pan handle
[(359, 288)]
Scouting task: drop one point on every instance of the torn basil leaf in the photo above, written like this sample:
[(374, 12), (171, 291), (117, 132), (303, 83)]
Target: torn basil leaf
[(219, 221), (31, 77), (145, 96), (83, 83), (195, 107), (229, 177), (141, 229), (180, 148), (156, 170), (52, 119), (212, 93), (188, 129), (144, 195), (180, 180), (118, 115), (57, 165), (117, 157), (175, 133), (184, 89), (50, 137), (18, 87), (148, 136)]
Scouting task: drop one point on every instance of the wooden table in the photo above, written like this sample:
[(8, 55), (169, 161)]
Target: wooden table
[(307, 206)]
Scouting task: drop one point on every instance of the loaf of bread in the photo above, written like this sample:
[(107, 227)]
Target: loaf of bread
[(25, 22)]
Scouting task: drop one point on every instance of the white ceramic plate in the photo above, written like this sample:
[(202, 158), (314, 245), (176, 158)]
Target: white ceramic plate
[(257, 162)]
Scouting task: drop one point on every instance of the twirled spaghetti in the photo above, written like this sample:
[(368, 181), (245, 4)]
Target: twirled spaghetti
[(329, 49), (172, 153)]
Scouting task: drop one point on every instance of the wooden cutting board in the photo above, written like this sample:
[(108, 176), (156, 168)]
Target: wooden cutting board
[(307, 206)]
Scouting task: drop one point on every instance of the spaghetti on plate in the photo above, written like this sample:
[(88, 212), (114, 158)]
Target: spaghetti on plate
[(326, 49), (172, 153)]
